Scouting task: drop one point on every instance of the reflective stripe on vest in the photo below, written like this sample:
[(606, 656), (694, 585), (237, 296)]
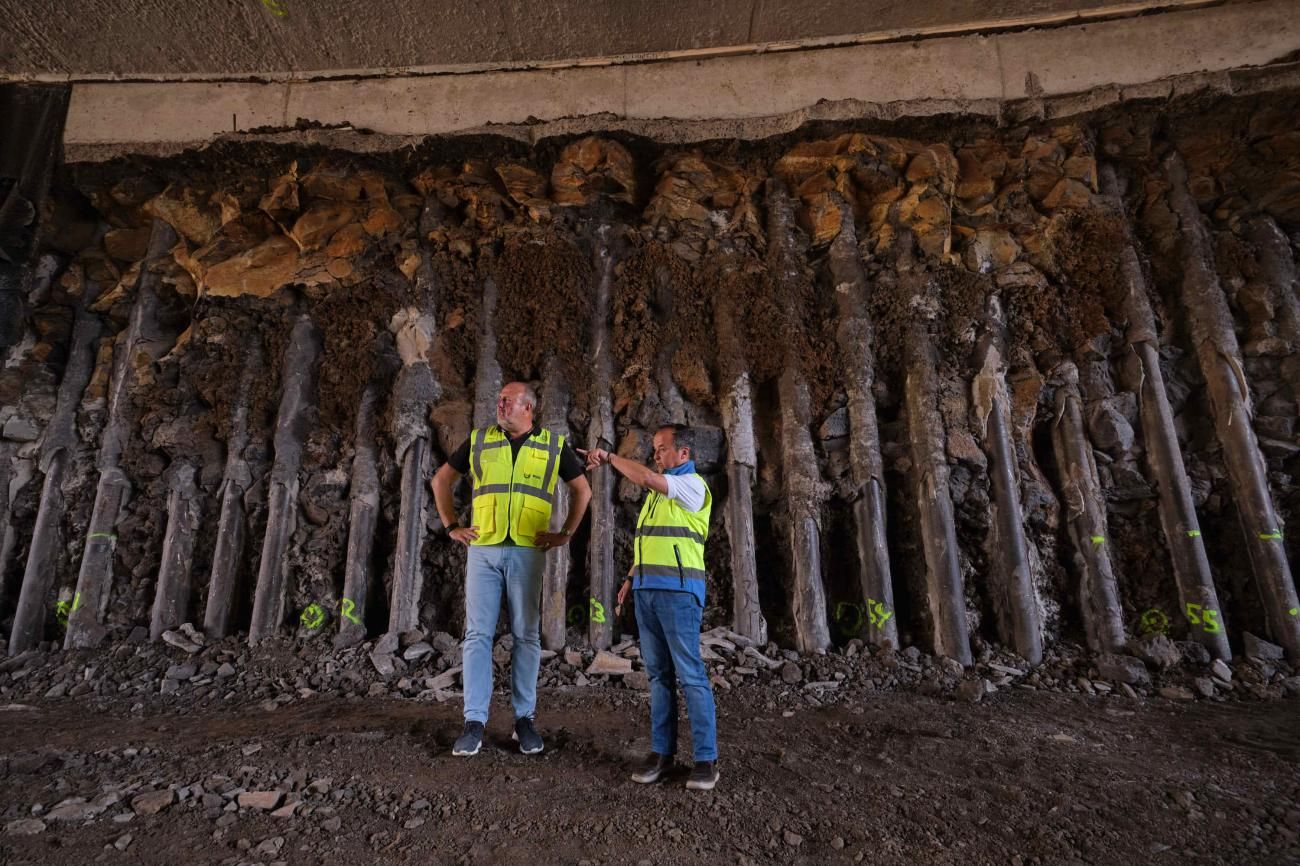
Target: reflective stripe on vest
[(512, 497), (670, 540)]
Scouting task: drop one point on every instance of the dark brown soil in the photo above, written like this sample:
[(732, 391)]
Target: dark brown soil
[(1029, 777), (546, 289)]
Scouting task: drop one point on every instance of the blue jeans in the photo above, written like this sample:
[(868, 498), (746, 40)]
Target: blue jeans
[(669, 622), (490, 571)]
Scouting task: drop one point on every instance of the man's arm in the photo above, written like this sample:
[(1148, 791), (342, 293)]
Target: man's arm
[(579, 497), (638, 474), (443, 481)]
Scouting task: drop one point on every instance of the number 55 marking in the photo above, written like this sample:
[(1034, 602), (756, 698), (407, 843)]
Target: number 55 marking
[(1206, 618)]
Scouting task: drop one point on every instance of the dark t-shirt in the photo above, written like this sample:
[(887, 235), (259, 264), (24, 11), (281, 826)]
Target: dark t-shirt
[(570, 464)]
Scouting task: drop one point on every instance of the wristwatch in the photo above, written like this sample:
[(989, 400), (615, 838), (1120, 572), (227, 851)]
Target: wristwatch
[(566, 532)]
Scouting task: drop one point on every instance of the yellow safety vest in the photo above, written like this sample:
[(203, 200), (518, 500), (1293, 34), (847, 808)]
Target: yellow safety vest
[(669, 542), (512, 498)]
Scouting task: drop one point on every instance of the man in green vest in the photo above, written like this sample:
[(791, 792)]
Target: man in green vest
[(668, 577), (514, 466)]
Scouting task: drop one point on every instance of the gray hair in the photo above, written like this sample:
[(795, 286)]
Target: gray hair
[(530, 395), (683, 437)]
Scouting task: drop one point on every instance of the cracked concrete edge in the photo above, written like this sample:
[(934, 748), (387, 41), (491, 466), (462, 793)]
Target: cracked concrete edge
[(1235, 49)]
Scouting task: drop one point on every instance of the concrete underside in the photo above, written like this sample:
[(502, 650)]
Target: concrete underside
[(1236, 48)]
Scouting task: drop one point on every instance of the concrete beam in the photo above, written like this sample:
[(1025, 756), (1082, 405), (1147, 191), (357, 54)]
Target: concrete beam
[(729, 96), (296, 39)]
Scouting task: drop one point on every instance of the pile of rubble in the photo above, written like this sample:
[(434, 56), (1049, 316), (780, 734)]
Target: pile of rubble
[(188, 671)]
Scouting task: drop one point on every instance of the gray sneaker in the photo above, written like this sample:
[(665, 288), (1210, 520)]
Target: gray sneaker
[(704, 776), (652, 768), (530, 742), (470, 741)]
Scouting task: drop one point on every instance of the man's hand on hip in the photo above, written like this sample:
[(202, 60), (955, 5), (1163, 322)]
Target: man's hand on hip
[(465, 534)]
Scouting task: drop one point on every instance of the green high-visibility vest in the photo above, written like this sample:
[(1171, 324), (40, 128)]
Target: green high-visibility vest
[(669, 540), (513, 497)]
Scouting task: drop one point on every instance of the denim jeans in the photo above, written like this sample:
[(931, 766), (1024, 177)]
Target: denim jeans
[(669, 622), (516, 572)]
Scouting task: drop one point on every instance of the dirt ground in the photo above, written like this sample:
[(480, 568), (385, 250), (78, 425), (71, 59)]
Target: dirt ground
[(1025, 777)]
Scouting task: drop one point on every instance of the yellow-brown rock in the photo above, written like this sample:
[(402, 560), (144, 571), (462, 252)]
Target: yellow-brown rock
[(347, 241), (339, 183), (187, 212), (259, 271), (590, 167), (315, 227), (1068, 193), (380, 220), (935, 164), (127, 245), (281, 203), (1082, 169), (121, 290), (339, 268), (526, 187), (820, 218), (990, 248)]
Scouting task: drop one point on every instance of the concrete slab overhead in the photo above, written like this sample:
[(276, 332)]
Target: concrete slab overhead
[(975, 72)]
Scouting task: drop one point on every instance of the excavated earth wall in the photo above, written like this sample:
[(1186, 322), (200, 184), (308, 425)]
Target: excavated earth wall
[(991, 273)]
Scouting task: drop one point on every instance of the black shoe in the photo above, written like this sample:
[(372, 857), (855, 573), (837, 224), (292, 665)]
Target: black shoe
[(704, 776), (653, 768), (530, 742), (470, 741)]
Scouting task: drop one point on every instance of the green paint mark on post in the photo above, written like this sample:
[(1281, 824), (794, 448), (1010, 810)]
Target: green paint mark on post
[(76, 602), (1193, 533), (576, 616), (597, 612), (1154, 621), (878, 613), (848, 616), (61, 610), (312, 616), (1098, 539), (278, 8), (1295, 611), (1275, 535), (349, 611)]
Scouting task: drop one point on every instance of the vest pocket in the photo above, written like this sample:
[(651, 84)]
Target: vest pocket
[(532, 520), (485, 516)]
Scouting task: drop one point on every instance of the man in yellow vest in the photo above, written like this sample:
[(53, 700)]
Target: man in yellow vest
[(514, 466), (668, 576)]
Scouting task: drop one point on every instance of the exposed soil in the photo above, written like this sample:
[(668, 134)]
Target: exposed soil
[(1028, 777)]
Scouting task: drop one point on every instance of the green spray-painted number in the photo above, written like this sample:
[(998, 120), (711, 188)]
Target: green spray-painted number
[(878, 613), (1275, 535), (349, 611), (1154, 621), (76, 602), (312, 616), (597, 612), (1206, 618), (61, 610), (577, 616)]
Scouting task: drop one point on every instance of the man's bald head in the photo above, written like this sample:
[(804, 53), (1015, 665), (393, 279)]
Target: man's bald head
[(516, 406)]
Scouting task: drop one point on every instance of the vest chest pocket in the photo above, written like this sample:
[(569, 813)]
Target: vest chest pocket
[(532, 468)]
